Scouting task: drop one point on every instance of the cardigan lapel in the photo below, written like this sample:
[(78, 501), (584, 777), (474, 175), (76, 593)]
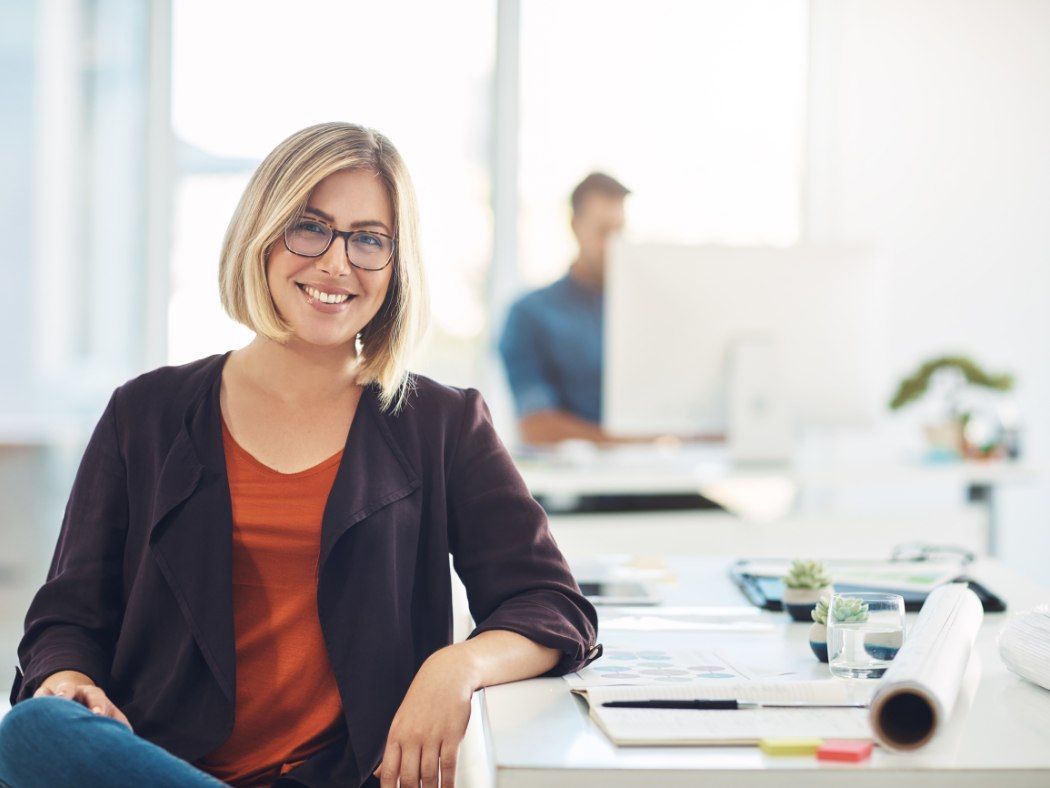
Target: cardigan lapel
[(373, 473), (191, 525)]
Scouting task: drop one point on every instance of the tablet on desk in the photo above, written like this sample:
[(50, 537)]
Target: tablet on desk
[(763, 586), (614, 592)]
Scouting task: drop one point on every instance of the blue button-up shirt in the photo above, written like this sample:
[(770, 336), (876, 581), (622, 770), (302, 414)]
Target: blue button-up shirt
[(552, 350)]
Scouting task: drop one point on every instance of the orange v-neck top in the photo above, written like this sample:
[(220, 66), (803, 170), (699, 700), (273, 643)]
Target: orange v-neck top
[(287, 705)]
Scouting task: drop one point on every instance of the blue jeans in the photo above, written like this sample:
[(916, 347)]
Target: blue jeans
[(49, 741)]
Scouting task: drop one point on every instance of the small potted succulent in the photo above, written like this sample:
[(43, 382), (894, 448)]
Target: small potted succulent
[(849, 610), (846, 610), (878, 644), (804, 584), (818, 631)]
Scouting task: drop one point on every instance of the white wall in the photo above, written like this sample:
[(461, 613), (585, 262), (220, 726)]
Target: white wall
[(930, 135)]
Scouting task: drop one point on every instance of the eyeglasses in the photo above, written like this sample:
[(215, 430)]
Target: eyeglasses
[(365, 249), (921, 551)]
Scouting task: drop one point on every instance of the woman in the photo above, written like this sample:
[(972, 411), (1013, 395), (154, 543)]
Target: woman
[(251, 582)]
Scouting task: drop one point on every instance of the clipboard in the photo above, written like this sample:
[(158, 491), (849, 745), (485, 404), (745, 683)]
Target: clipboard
[(764, 588)]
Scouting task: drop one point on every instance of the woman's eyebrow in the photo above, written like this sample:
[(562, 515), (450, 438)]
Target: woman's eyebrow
[(331, 220)]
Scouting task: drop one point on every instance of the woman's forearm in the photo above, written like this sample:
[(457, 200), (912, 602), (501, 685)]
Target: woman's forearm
[(497, 656)]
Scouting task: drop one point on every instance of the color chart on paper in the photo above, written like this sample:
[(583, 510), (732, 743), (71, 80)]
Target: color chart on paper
[(655, 666)]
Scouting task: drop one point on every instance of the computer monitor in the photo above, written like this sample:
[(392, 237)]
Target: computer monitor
[(697, 337)]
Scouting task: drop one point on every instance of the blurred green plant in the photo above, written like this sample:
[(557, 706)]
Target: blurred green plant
[(820, 612), (807, 574), (849, 610), (915, 385)]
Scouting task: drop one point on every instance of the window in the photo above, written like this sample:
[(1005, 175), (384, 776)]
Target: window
[(697, 107), (383, 65)]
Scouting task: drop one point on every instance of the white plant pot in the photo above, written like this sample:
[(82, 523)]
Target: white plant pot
[(799, 602)]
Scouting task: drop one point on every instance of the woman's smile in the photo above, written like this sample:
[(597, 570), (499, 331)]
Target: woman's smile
[(315, 298)]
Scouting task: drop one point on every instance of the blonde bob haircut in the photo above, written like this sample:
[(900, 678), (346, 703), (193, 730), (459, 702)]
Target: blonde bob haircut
[(277, 194)]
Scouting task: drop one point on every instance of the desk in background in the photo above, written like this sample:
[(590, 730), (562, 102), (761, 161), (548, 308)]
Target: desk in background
[(707, 469), (705, 533)]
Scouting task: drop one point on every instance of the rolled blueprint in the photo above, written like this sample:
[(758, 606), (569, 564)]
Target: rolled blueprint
[(916, 695)]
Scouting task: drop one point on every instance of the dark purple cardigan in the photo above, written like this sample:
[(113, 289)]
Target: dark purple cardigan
[(139, 593)]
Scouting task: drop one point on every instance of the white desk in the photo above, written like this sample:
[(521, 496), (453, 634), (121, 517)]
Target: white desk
[(540, 735), (710, 532), (701, 468), (684, 468)]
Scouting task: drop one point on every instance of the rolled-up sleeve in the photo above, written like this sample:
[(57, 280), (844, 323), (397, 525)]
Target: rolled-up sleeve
[(74, 619), (515, 576), (520, 346)]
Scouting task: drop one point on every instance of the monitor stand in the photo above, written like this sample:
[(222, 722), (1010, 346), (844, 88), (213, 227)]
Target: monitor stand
[(759, 427)]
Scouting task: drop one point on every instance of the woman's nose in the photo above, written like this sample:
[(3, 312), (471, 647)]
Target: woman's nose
[(336, 260)]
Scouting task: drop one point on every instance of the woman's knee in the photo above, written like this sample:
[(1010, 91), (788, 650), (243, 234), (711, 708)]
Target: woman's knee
[(37, 719)]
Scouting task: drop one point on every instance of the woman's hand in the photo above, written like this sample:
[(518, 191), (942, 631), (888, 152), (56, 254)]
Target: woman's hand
[(427, 730), (74, 685)]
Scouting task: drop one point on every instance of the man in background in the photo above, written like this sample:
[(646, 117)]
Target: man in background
[(552, 341)]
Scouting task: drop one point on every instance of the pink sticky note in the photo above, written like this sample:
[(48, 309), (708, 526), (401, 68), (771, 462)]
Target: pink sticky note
[(844, 750)]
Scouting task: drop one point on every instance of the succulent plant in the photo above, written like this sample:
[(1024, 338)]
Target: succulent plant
[(849, 610), (807, 574), (820, 612)]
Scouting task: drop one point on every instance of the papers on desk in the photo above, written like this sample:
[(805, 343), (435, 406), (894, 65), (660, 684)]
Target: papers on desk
[(908, 705), (660, 727), (709, 612), (664, 624), (665, 618), (657, 666)]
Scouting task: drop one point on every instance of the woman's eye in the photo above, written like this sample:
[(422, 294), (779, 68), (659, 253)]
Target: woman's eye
[(367, 239), (310, 227)]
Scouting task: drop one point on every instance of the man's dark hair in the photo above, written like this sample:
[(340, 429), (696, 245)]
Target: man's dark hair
[(596, 183)]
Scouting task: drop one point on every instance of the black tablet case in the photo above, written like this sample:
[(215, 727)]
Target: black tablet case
[(765, 591)]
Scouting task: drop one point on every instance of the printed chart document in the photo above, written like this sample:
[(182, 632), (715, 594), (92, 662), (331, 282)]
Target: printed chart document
[(663, 727), (662, 666)]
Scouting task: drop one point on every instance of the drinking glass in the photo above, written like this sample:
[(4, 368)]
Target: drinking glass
[(865, 632)]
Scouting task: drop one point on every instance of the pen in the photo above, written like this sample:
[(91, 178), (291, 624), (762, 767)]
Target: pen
[(724, 704)]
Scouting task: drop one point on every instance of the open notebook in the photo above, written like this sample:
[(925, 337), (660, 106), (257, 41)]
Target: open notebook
[(658, 727)]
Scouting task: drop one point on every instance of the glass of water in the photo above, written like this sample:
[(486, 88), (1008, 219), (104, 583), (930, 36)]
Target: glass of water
[(865, 632)]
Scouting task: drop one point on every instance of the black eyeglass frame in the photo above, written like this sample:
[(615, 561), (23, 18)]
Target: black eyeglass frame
[(345, 235)]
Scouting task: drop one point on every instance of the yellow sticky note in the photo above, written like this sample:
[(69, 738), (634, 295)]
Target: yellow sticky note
[(790, 746)]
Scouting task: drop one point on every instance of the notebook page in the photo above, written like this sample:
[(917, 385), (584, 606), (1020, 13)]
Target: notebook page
[(654, 727), (826, 691)]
